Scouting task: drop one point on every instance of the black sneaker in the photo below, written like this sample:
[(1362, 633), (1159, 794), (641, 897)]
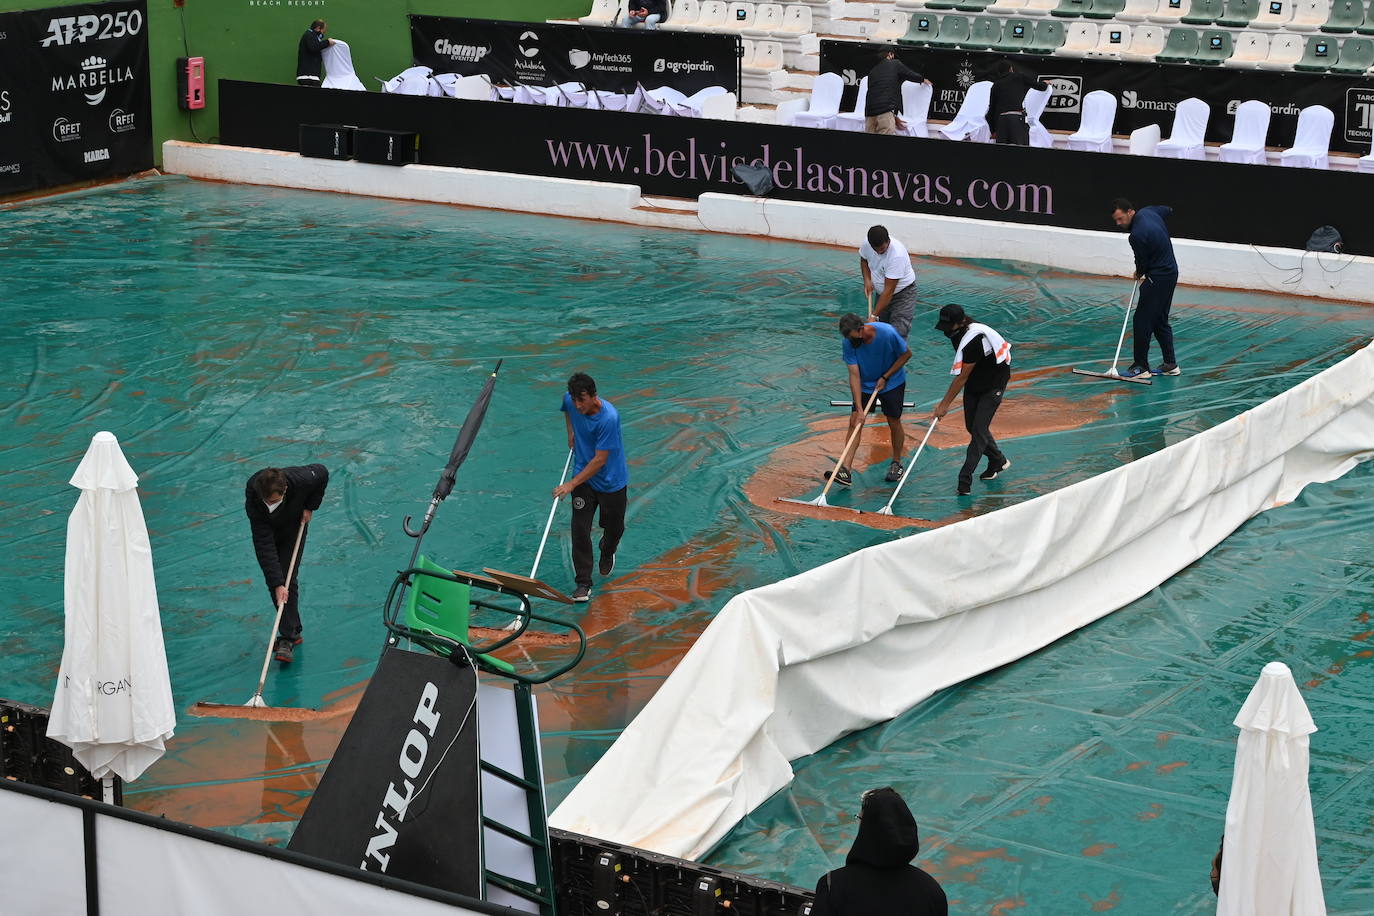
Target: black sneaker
[(1136, 372), (607, 564), (582, 594), (894, 472), (964, 489), (284, 650), (1167, 369), (992, 472), (843, 478)]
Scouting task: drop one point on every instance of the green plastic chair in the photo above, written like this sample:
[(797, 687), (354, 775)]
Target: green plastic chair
[(1319, 55), (1346, 16), (1180, 47), (1203, 12), (954, 31), (1239, 13), (1105, 9), (972, 6), (1357, 56), (985, 33), (440, 607), (1368, 27), (1017, 37), (1049, 37), (1071, 9), (920, 30), (940, 4), (1214, 46)]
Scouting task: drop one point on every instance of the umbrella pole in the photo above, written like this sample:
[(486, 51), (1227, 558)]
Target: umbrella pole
[(515, 624)]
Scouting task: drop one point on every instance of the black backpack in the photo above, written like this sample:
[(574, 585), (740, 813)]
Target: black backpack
[(1324, 238), (757, 177)]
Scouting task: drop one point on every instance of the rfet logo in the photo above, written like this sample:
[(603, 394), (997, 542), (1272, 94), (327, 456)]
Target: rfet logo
[(121, 121), (1066, 94), (64, 130), (532, 49)]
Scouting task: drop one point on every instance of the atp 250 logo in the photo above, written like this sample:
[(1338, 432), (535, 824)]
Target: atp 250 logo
[(71, 30)]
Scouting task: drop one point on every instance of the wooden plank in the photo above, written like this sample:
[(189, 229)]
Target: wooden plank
[(527, 586)]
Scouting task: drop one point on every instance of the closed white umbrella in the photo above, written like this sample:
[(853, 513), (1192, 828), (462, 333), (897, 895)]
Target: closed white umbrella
[(113, 705), (1269, 857)]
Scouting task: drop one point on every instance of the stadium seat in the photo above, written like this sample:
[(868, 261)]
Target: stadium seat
[(1203, 12), (1080, 38), (1239, 13), (767, 57), (1357, 56), (603, 12), (1017, 36), (1366, 162), (853, 120), (1144, 140), (796, 21), (1367, 28), (1036, 100), (1106, 9), (1285, 50), (1321, 52), (954, 31), (1346, 16), (1186, 136), (824, 104), (1072, 8), (767, 20), (1169, 12), (685, 15), (971, 121), (940, 5), (746, 53), (921, 30), (1094, 134), (911, 6), (1273, 14), (1180, 47), (1247, 139), (1213, 48), (1137, 10), (714, 14), (972, 6), (1146, 42), (1039, 7), (892, 24), (1308, 15), (740, 17), (1112, 40), (1007, 8), (916, 108), (985, 33), (1049, 36), (1251, 48), (1313, 140)]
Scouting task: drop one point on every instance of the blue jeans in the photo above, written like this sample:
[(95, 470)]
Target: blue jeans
[(650, 22)]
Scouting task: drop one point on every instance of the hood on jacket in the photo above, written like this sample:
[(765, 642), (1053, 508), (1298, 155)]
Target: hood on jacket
[(887, 831)]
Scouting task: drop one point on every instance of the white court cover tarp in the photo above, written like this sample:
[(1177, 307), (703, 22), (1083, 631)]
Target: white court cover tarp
[(113, 704), (786, 669), (1269, 860)]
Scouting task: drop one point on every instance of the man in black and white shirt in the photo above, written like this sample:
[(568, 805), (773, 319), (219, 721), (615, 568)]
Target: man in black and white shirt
[(310, 54), (982, 368)]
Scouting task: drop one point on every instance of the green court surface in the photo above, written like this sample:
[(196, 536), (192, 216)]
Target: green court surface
[(219, 329)]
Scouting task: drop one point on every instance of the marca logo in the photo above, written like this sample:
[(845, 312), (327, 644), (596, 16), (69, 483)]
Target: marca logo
[(70, 30), (1066, 94), (467, 53), (533, 49), (121, 122), (64, 130), (1131, 99), (95, 76)]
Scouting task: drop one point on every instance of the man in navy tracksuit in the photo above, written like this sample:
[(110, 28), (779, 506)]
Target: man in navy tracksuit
[(1157, 272)]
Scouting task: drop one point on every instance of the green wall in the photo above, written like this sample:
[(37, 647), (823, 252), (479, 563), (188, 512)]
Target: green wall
[(256, 40)]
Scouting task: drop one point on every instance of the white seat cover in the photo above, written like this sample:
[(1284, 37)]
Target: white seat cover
[(1247, 140), (1190, 126), (971, 122), (1036, 100), (1094, 132), (916, 108), (825, 102), (1313, 140)]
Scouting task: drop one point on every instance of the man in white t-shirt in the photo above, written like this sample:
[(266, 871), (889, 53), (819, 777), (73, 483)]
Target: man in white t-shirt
[(887, 268)]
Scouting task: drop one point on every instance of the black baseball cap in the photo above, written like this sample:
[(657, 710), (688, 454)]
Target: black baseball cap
[(950, 315)]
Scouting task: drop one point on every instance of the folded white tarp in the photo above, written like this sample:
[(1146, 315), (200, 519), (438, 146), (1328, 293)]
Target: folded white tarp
[(786, 669)]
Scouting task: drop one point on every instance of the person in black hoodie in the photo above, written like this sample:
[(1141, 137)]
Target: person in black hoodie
[(310, 54), (278, 501), (877, 878)]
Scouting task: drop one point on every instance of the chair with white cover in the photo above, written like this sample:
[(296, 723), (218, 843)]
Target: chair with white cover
[(338, 68), (1081, 38), (1094, 134), (476, 88), (662, 100), (685, 14), (1247, 140), (824, 104), (616, 101), (691, 106), (603, 12), (971, 121), (1251, 48), (767, 17), (916, 108), (566, 95), (1036, 100), (1144, 140), (854, 120), (1285, 50), (1313, 140), (719, 106), (1366, 163), (410, 81), (1146, 42), (1190, 127), (1137, 10)]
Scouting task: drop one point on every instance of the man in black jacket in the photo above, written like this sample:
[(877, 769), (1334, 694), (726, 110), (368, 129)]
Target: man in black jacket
[(877, 878), (279, 501), (1007, 104), (884, 98), (310, 54)]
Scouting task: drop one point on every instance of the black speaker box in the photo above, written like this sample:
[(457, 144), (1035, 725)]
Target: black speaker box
[(327, 141), (386, 147)]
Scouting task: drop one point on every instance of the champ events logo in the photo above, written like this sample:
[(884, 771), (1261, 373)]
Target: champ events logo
[(465, 53), (94, 80)]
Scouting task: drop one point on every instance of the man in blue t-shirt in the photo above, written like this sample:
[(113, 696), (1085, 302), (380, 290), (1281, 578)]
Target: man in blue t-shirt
[(1157, 272), (875, 354), (600, 479)]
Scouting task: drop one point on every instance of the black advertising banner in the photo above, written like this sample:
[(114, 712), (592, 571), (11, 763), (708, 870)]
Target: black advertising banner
[(401, 795), (1147, 92), (685, 157), (546, 54), (74, 101)]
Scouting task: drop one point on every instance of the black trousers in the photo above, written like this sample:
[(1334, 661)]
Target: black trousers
[(979, 409), (585, 503), (1152, 318), (1012, 128), (290, 626)]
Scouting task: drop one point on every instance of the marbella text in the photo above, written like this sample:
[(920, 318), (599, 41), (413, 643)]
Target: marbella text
[(793, 170)]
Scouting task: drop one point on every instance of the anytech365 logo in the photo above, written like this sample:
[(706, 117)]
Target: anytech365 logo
[(64, 130), (94, 79)]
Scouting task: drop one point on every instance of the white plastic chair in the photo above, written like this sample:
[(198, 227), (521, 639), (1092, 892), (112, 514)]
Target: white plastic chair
[(1168, 13), (971, 121), (1273, 14), (1037, 7), (1144, 140), (767, 57), (796, 21), (685, 14), (1247, 140), (691, 106), (1313, 140), (1190, 127), (530, 95), (1146, 42), (1006, 7), (1251, 48), (603, 12), (1094, 134), (1036, 100), (916, 108), (714, 14), (1112, 41), (410, 81), (1308, 15), (566, 95), (767, 17), (1081, 38), (892, 25), (746, 54), (854, 120), (1285, 50), (1137, 10), (616, 101), (824, 105), (661, 100)]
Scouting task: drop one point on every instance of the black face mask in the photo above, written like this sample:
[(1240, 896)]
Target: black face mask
[(954, 334)]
